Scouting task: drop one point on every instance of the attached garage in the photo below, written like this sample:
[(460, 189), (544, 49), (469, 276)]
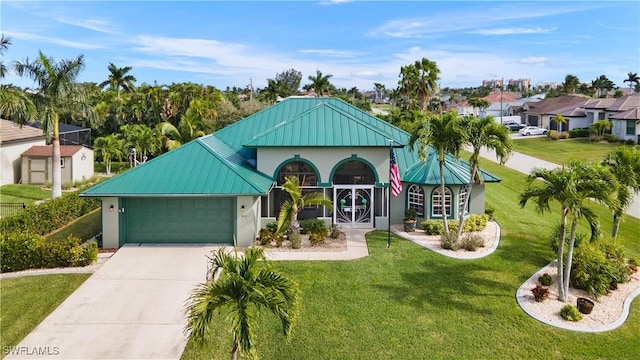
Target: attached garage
[(177, 220)]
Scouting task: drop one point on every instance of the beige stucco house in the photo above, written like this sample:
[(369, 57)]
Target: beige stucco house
[(14, 140)]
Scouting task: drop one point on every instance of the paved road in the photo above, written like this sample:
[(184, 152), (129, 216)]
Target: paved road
[(525, 163)]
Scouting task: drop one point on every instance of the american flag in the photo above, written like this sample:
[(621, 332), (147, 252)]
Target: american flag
[(396, 185)]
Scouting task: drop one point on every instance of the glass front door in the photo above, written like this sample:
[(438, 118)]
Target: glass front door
[(353, 206)]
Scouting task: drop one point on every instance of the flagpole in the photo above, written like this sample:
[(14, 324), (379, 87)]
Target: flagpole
[(389, 199)]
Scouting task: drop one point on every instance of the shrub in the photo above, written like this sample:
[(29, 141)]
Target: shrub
[(540, 293), (629, 142), (472, 242), (579, 133), (48, 216), (489, 211), (545, 279), (316, 239), (598, 267), (272, 226), (553, 134), (334, 231), (570, 313), (313, 226), (473, 223), (450, 241), (66, 185), (611, 138), (564, 135), (296, 242), (21, 251), (268, 236)]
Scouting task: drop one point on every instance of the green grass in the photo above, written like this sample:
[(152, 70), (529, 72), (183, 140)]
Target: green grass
[(26, 301), (561, 151), (84, 228), (407, 302), (22, 193)]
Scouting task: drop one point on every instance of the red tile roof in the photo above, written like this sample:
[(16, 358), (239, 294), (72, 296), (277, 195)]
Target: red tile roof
[(47, 150)]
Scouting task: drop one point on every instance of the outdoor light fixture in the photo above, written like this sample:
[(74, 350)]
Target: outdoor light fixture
[(242, 208), (111, 208)]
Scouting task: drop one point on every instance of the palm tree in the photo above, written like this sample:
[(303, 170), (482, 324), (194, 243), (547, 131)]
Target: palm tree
[(478, 103), (600, 126), (57, 92), (624, 164), (570, 186), (559, 119), (109, 147), (632, 78), (118, 79), (320, 83), (288, 217), (15, 104), (445, 134), (602, 85), (487, 133), (143, 138), (570, 84), (246, 286), (420, 80)]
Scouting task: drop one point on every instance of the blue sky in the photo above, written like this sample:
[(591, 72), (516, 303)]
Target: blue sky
[(223, 43)]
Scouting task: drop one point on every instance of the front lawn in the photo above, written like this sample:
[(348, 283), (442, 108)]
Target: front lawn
[(407, 302), (561, 151), (23, 193), (26, 301)]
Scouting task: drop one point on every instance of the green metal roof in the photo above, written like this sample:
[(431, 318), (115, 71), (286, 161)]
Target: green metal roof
[(193, 169), (323, 125), (456, 172)]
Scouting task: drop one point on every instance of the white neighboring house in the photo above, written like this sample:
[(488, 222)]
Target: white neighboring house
[(76, 164), (14, 140), (624, 115)]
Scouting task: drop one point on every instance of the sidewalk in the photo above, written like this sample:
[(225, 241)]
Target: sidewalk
[(525, 163)]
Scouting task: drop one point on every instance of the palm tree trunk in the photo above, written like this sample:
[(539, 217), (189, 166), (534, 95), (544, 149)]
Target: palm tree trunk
[(616, 226), (442, 201), (464, 208), (563, 227), (567, 271), (234, 348), (56, 171)]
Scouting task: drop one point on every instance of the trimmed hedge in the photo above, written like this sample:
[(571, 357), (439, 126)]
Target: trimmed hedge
[(20, 251), (48, 216), (579, 133), (476, 222)]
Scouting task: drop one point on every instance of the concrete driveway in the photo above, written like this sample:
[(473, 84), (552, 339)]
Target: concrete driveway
[(130, 308)]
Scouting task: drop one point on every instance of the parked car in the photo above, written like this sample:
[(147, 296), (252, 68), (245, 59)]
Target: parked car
[(532, 130), (513, 126)]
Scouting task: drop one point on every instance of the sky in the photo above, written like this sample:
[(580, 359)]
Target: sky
[(227, 44)]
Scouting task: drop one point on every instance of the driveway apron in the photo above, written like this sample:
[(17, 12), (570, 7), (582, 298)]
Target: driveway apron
[(130, 308)]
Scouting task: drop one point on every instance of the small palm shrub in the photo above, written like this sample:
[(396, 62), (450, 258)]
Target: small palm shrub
[(540, 293), (268, 237), (472, 242), (545, 279), (570, 313), (598, 267)]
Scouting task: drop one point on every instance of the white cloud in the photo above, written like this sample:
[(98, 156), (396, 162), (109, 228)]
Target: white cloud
[(94, 24), (52, 40), (534, 60), (512, 31)]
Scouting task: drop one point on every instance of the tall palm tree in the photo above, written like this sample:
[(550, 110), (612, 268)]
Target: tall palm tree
[(445, 133), (143, 138), (602, 85), (109, 147), (119, 79), (320, 83), (487, 133), (419, 80), (478, 103), (246, 286), (570, 84), (5, 41), (57, 92), (632, 78), (288, 217), (624, 164), (571, 187)]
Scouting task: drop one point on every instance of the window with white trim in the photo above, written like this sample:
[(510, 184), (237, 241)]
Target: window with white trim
[(436, 202), (415, 199), (631, 127)]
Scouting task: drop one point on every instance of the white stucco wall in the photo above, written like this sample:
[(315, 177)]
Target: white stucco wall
[(324, 159), (82, 165), (247, 220), (110, 224), (11, 161), (619, 129)]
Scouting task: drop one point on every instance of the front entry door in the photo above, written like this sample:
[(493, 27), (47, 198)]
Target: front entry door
[(353, 206)]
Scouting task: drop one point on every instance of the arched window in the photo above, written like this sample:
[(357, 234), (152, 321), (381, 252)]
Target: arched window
[(415, 199), (436, 202), (305, 173), (463, 195)]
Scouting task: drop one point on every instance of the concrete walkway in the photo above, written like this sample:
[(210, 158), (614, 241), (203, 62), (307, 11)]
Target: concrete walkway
[(130, 308), (525, 163)]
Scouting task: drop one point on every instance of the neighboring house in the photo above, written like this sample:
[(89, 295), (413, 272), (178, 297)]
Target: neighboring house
[(14, 140), (624, 115), (76, 164), (71, 134), (228, 185), (539, 113)]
